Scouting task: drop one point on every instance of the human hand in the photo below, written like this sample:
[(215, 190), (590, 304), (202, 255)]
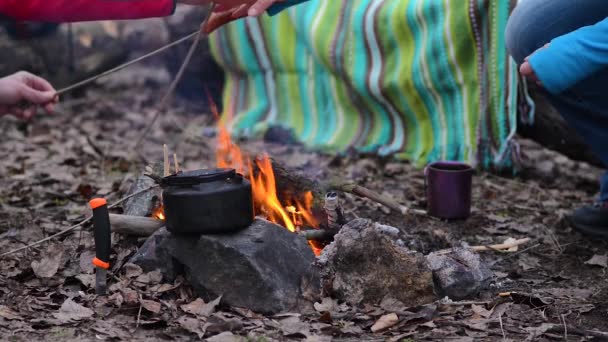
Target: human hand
[(226, 11), (24, 87), (526, 69), (242, 8), (195, 2)]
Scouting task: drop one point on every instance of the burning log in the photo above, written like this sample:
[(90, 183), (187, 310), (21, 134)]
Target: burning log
[(318, 234), (135, 225), (291, 183)]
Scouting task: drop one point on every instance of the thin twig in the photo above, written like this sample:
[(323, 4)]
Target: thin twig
[(376, 197), (165, 99), (139, 313), (565, 328), (504, 336), (166, 166), (123, 66), (79, 224), (502, 246), (175, 162)]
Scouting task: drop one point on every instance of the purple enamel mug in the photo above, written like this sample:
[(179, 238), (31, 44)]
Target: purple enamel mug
[(448, 189)]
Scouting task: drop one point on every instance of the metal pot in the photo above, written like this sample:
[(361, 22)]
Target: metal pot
[(208, 201)]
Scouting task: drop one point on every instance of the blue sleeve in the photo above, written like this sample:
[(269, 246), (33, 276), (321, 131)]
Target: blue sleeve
[(279, 6), (572, 57)]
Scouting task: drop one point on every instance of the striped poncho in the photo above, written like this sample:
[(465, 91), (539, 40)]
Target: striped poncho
[(419, 79)]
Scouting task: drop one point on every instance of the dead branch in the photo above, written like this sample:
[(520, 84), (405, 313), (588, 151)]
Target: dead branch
[(358, 190), (135, 225), (559, 329), (78, 225), (502, 246)]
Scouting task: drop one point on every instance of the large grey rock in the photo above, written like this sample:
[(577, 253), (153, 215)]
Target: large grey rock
[(264, 268), (367, 262), (459, 273), (155, 254), (144, 203)]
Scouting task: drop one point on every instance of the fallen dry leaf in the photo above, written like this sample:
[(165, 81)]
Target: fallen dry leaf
[(86, 264), (291, 326), (598, 260), (327, 305), (218, 323), (8, 313), (150, 278), (481, 311), (194, 307), (49, 263), (200, 308), (88, 280), (70, 311), (318, 338), (132, 270), (151, 305), (116, 299), (130, 296), (385, 322), (192, 325), (226, 336)]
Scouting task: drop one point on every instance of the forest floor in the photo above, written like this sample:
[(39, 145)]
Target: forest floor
[(52, 166)]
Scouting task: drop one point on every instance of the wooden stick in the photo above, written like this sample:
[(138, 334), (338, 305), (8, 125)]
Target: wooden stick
[(318, 234), (376, 197), (135, 225), (165, 100), (176, 163), (78, 225), (122, 66), (166, 166), (501, 246)]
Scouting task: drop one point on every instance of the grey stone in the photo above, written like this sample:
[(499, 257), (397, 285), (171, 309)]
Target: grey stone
[(459, 273), (264, 268), (366, 264), (144, 203), (155, 255)]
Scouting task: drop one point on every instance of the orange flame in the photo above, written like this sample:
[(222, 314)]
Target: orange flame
[(159, 213), (295, 214)]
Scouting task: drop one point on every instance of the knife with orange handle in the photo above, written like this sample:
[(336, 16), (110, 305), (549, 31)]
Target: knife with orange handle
[(103, 243)]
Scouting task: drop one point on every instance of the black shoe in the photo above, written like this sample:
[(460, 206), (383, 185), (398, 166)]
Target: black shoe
[(591, 220)]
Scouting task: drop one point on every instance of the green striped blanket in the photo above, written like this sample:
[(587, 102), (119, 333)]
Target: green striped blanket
[(421, 79)]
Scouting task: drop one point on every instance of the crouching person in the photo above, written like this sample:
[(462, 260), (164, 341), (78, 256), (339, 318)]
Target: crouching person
[(562, 45)]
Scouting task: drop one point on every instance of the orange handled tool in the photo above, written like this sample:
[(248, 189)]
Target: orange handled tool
[(103, 243)]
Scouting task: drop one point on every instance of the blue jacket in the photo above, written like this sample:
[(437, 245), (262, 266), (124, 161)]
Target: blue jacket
[(278, 7), (572, 57)]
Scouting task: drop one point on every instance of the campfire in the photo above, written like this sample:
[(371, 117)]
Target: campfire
[(293, 213)]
